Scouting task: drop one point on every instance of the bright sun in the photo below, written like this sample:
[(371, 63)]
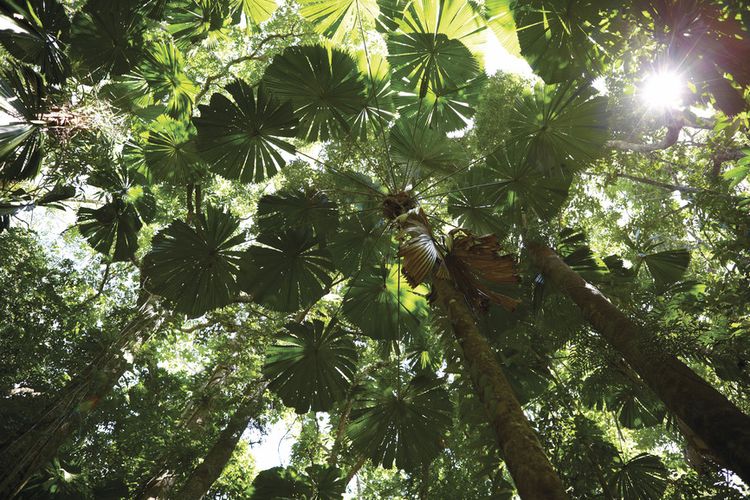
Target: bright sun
[(663, 90)]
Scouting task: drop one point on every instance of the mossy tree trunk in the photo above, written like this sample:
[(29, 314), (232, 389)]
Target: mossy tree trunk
[(528, 465), (34, 447), (194, 418), (710, 415), (208, 471)]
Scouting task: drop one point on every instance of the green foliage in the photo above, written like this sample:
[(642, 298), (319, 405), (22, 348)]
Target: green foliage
[(22, 97), (324, 149), (643, 477), (35, 32), (311, 365), (162, 72), (196, 268), (337, 18), (107, 37), (423, 150), (170, 154), (564, 125), (297, 209), (563, 43), (317, 483), (324, 86), (244, 139), (191, 21), (383, 305), (401, 424), (360, 242), (668, 266), (286, 271), (113, 228)]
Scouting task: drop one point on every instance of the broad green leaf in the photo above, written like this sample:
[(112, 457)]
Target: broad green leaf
[(196, 268), (563, 125), (326, 482), (402, 425), (337, 19), (129, 92), (425, 61), (22, 93), (257, 11), (516, 186), (382, 304), (472, 206), (163, 72), (113, 228), (311, 365), (190, 21), (432, 49), (562, 41), (668, 266), (169, 153), (243, 138), (635, 409), (22, 98), (288, 272), (499, 19), (740, 172), (362, 239), (296, 208), (643, 477), (35, 32), (634, 406), (319, 482), (423, 150), (377, 108), (447, 108), (280, 483), (107, 37), (736, 174), (573, 247), (455, 19), (324, 86)]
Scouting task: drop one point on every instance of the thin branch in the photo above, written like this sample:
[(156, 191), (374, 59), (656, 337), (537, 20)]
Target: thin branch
[(252, 56), (669, 140), (662, 185)]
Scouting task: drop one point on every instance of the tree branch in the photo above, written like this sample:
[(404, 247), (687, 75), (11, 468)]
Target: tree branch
[(252, 56), (669, 140)]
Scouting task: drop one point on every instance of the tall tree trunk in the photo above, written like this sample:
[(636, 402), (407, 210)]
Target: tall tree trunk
[(28, 452), (710, 415), (193, 420), (208, 471), (532, 472)]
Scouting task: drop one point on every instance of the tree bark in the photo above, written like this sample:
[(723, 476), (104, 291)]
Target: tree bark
[(523, 454), (208, 471), (193, 419), (27, 453), (669, 140), (710, 415)]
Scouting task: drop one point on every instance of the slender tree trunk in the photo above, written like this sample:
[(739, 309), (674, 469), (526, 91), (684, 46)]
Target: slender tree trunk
[(355, 468), (532, 472), (710, 415), (208, 471), (193, 420), (28, 452)]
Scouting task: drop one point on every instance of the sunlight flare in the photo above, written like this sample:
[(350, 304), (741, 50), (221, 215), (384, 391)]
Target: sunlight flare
[(663, 90)]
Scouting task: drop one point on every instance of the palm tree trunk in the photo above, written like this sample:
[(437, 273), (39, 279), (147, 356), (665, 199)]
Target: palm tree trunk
[(532, 472), (208, 471), (710, 415), (28, 452)]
